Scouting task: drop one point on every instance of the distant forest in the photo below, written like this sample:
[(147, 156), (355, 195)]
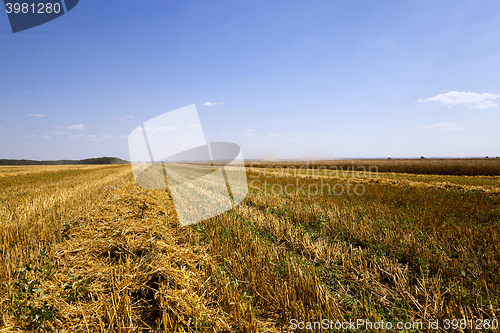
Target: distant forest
[(99, 160)]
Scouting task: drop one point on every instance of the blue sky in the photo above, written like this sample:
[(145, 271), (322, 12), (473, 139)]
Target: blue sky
[(285, 79)]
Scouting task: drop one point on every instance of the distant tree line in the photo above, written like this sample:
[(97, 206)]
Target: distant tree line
[(99, 160)]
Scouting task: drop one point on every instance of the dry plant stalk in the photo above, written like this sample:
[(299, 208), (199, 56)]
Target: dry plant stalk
[(85, 250)]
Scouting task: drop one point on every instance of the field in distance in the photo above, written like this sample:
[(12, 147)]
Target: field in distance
[(84, 249), (436, 166)]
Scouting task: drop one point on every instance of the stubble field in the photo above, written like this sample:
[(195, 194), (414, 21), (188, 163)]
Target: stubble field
[(83, 250)]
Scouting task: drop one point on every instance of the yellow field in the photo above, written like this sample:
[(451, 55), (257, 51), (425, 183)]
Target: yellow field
[(83, 250)]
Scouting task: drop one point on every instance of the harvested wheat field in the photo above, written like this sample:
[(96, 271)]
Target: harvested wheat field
[(83, 249)]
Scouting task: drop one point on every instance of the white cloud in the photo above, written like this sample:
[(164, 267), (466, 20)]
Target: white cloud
[(111, 137), (127, 117), (45, 137), (249, 132), (212, 103), (484, 105), (479, 101), (296, 139), (193, 126), (160, 129), (443, 127), (92, 138), (38, 115), (78, 127), (58, 132), (274, 134), (28, 136), (88, 137)]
